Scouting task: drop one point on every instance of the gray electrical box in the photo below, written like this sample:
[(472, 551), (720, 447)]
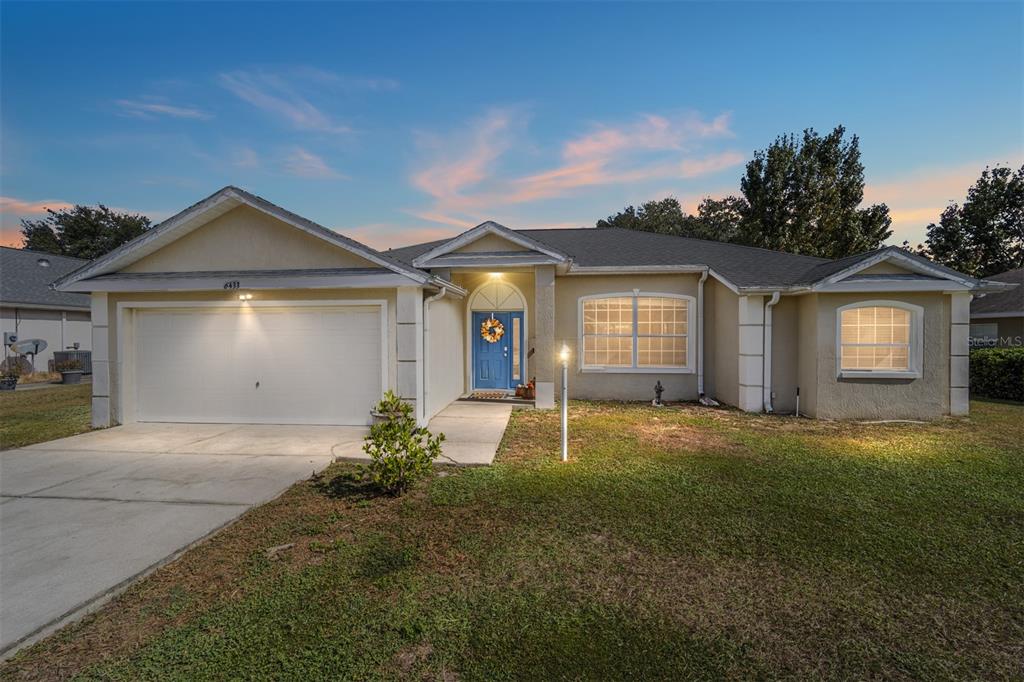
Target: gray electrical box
[(9, 338)]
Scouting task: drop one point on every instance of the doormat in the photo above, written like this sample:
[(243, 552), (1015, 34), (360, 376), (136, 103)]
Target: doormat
[(488, 395)]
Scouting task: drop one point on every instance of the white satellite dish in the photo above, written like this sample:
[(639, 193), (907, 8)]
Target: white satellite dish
[(29, 346)]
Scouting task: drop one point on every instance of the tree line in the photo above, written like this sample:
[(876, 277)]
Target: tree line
[(802, 195)]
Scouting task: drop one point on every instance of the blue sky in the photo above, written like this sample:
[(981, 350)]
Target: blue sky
[(398, 123)]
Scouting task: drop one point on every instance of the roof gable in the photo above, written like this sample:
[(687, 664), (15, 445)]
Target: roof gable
[(891, 260), (245, 238), (487, 238), (210, 209)]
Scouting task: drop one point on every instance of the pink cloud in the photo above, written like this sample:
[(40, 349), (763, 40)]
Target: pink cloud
[(383, 236), (465, 185), (12, 210)]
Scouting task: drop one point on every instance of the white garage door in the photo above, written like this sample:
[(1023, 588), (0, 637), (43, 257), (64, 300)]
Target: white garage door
[(258, 365)]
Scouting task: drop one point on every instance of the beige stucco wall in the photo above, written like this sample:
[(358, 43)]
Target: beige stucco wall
[(721, 343), (807, 353), (118, 371), (618, 386), (923, 398), (785, 349), (445, 353), (884, 268), (247, 239), (489, 242)]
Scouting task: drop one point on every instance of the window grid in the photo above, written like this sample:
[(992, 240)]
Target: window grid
[(875, 338), (635, 331)]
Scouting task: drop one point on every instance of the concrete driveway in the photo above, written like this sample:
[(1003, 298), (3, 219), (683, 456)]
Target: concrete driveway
[(83, 516)]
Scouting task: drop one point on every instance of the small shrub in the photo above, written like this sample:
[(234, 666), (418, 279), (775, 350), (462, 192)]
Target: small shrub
[(69, 366), (401, 452), (998, 373)]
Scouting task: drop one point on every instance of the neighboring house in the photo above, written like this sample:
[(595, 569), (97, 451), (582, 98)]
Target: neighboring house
[(236, 310), (30, 308), (997, 319)]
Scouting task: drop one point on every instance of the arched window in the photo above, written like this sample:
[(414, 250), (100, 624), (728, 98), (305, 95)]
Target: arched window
[(636, 332), (879, 339)]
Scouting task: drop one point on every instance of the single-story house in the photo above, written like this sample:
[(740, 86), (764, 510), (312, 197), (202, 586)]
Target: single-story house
[(31, 309), (237, 310), (997, 319)]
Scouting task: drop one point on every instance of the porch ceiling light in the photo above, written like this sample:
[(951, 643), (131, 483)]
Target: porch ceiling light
[(495, 275), (245, 297)]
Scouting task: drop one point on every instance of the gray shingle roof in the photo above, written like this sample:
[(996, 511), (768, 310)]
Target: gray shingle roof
[(1011, 301), (23, 280), (744, 266), (596, 247)]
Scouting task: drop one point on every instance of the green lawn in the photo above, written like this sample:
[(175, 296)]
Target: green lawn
[(681, 543), (34, 416)]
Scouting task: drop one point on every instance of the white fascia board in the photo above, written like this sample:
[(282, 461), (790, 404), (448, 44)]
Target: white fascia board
[(482, 230), (216, 283), (992, 316), (489, 261), (861, 286), (134, 250), (898, 258), (38, 306), (209, 209), (634, 269)]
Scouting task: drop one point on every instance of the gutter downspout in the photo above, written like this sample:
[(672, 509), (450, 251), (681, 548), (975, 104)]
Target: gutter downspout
[(700, 334), (426, 346), (766, 379)]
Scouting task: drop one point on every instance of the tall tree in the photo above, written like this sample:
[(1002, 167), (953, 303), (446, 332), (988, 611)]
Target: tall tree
[(984, 236), (82, 231), (805, 197)]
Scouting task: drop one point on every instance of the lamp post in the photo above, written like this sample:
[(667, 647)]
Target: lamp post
[(564, 356)]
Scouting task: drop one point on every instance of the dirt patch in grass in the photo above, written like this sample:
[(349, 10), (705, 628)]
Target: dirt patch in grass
[(669, 434)]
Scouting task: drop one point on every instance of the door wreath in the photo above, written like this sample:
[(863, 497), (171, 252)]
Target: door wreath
[(492, 330)]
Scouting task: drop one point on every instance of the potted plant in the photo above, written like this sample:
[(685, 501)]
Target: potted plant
[(9, 375), (70, 371), (530, 392)]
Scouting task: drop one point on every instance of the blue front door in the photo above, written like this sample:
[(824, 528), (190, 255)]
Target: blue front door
[(493, 365)]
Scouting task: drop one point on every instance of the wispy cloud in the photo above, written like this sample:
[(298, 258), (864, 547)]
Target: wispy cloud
[(306, 164), (388, 235), (152, 108), (288, 94), (918, 198), (273, 94), (245, 157), (650, 148)]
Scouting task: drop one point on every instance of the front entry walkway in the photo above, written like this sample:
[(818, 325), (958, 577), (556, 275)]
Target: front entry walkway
[(472, 431)]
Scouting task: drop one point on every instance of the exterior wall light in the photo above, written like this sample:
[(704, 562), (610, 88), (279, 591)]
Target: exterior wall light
[(245, 297)]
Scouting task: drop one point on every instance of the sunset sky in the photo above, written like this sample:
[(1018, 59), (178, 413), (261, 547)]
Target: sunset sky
[(400, 123)]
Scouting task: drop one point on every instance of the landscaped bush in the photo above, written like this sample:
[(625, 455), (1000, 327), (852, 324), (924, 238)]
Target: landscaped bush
[(401, 452), (998, 373)]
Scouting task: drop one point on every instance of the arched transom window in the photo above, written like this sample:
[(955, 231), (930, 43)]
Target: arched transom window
[(636, 332), (879, 338)]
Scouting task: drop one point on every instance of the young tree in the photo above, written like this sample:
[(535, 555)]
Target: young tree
[(82, 231), (984, 236)]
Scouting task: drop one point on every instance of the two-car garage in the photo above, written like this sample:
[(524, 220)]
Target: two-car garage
[(256, 362)]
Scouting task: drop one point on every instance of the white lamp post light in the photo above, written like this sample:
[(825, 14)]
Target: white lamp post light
[(564, 356)]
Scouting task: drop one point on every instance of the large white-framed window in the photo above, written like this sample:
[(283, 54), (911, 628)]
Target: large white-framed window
[(636, 332), (880, 340)]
